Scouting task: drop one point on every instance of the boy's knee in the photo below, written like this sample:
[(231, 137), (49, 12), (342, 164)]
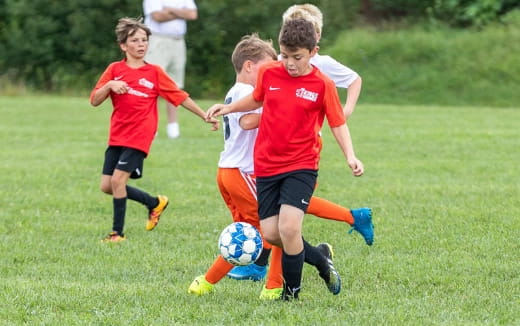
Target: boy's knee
[(289, 232), (272, 237), (107, 189), (116, 182)]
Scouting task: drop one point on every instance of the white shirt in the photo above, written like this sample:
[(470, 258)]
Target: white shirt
[(176, 27), (342, 75), (238, 143)]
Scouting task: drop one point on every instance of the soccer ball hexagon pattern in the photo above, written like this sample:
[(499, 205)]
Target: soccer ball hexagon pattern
[(240, 244)]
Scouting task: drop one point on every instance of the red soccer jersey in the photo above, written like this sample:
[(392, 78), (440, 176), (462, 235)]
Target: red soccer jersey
[(134, 118), (293, 113)]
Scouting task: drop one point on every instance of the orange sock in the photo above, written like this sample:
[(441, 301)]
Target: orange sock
[(274, 276), (326, 209), (218, 270)]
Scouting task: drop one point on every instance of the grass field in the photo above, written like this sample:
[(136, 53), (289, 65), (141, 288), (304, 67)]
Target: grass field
[(444, 184)]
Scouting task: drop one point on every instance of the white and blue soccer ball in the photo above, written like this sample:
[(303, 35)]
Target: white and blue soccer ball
[(240, 243)]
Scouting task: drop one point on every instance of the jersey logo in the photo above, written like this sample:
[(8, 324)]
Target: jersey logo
[(306, 95), (136, 92), (146, 83), (118, 77), (271, 88)]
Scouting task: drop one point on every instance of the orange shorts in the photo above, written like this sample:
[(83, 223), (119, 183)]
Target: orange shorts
[(238, 190)]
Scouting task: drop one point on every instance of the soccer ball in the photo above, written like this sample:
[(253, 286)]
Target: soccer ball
[(240, 244)]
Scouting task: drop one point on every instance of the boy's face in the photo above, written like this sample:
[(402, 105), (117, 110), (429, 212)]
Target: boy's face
[(136, 45), (297, 63)]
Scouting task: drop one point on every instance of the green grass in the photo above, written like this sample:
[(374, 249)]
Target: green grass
[(443, 182)]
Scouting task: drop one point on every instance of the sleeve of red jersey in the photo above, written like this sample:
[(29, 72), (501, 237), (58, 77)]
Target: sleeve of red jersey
[(169, 90), (105, 78), (333, 107)]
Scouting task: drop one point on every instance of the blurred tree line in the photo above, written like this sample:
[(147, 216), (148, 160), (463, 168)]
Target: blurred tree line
[(55, 45)]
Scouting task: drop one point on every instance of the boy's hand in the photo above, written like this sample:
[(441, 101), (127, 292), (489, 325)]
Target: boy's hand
[(118, 86), (215, 111), (356, 166), (214, 122)]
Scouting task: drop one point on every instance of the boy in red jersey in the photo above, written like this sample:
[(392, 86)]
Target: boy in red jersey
[(134, 86), (295, 97)]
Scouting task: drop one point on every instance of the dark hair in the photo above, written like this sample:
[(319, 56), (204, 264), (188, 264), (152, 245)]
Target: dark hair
[(297, 34), (128, 26)]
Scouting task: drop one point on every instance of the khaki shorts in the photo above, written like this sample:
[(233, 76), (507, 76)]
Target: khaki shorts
[(170, 54)]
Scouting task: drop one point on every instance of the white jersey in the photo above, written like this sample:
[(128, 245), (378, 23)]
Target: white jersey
[(176, 27), (238, 143), (341, 75)]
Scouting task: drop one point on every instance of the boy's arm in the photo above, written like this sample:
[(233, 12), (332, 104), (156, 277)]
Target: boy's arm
[(190, 105), (99, 95), (250, 121), (353, 92), (245, 104), (342, 135)]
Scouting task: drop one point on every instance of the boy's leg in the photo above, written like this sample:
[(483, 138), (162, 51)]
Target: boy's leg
[(321, 258), (142, 197), (275, 279), (292, 266), (290, 226), (295, 194), (360, 219), (218, 270), (204, 284), (238, 189), (326, 209), (118, 181), (318, 256)]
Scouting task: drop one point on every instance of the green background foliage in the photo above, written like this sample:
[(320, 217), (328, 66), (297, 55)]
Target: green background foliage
[(63, 46)]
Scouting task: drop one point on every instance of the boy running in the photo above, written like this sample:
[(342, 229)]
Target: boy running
[(134, 86)]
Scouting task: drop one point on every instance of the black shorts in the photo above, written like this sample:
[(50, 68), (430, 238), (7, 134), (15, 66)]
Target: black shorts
[(293, 188), (125, 159)]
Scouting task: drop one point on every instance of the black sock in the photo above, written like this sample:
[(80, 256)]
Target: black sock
[(264, 256), (315, 257), (292, 266), (119, 214), (141, 197)]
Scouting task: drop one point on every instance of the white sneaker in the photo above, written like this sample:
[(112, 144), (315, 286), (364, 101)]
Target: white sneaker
[(173, 130)]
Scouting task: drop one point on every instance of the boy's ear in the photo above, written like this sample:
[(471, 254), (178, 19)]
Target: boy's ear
[(314, 51), (248, 65)]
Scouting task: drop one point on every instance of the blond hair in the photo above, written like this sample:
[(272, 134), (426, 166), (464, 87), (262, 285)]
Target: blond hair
[(305, 11), (251, 47)]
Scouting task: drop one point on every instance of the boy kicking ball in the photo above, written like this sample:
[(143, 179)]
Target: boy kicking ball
[(134, 85), (296, 97)]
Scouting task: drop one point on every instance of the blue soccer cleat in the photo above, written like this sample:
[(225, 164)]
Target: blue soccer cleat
[(363, 224), (252, 272)]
